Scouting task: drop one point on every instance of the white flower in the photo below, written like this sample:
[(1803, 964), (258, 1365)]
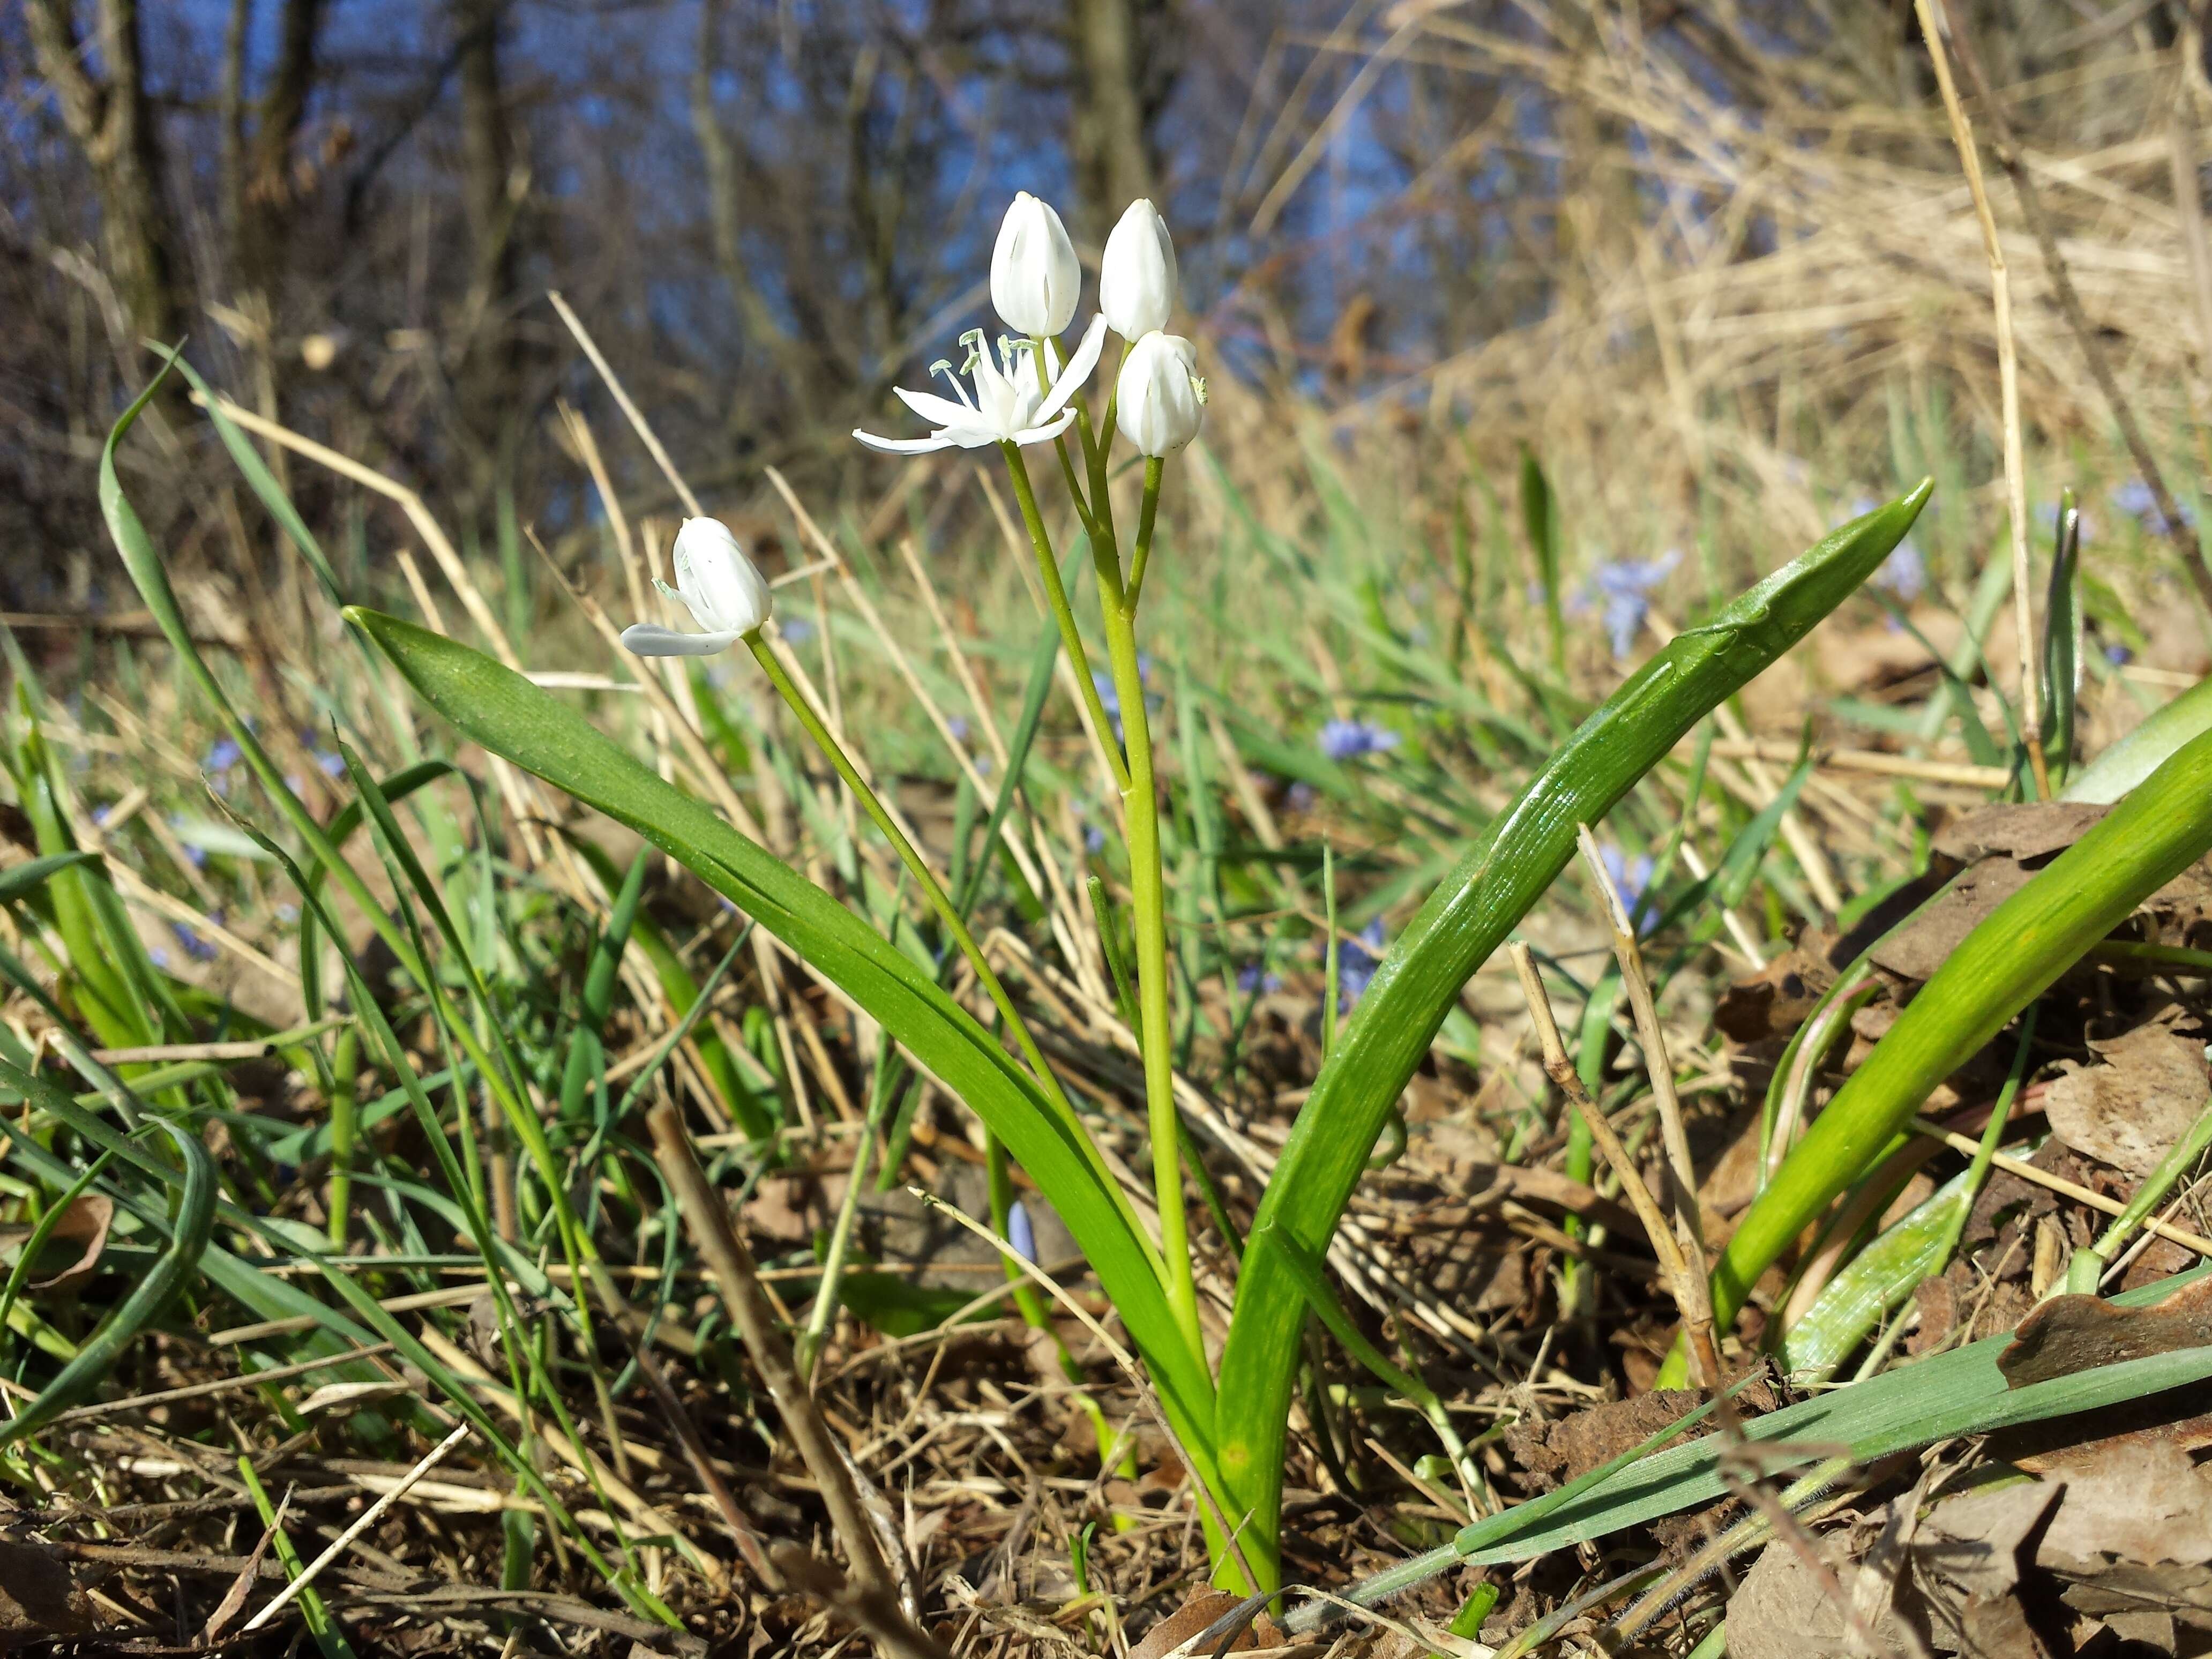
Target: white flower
[(1137, 277), (724, 591), (1034, 275), (1009, 406), (1159, 399)]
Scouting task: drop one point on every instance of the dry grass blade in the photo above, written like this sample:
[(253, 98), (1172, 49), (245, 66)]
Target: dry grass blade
[(367, 1518), (707, 1221), (2015, 464), (1686, 1285)]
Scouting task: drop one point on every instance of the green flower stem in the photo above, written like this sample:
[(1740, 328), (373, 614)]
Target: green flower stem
[(1141, 805), (1056, 592), (1059, 444), (1102, 499), (940, 902), (1141, 559)]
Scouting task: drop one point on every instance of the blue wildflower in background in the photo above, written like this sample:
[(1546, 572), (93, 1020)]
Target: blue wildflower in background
[(1094, 839), (222, 756), (2135, 499), (1344, 740), (196, 947), (1632, 879), (1357, 959), (1021, 1232), (797, 629), (1904, 574), (1252, 977), (2119, 655), (1624, 587), (195, 855)]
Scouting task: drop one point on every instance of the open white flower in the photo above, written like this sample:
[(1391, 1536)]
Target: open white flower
[(1009, 406), (1159, 399), (724, 591), (1034, 273), (1137, 276)]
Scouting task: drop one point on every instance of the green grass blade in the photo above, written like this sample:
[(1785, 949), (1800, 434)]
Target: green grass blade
[(587, 1053), (1960, 1392), (2062, 639), (29, 876), (1540, 512), (194, 1224), (1506, 871)]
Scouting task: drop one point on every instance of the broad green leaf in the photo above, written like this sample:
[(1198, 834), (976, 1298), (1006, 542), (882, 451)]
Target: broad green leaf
[(1880, 1278), (508, 715), (2163, 826), (1503, 872), (2127, 762)]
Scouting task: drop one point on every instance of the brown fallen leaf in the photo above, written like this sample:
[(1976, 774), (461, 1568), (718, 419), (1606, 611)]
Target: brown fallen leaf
[(72, 1250), (2129, 1110), (1972, 1542), (1193, 1617), (2025, 831), (1783, 1611), (1918, 950), (2145, 1502), (2071, 1334), (1774, 1001), (39, 1600)]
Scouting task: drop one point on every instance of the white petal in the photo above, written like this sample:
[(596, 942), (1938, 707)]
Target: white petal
[(905, 445), (1045, 433), (648, 639), (938, 412), (1078, 371)]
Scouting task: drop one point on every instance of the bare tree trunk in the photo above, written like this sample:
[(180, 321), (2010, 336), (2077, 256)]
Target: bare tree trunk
[(725, 208), (1109, 141), (269, 191), (113, 124), (491, 192)]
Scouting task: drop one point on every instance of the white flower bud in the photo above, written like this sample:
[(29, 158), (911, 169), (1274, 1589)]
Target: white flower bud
[(1137, 276), (723, 590), (1159, 399), (1034, 275)]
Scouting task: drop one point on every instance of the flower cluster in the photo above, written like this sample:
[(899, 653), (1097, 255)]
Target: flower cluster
[(1023, 395), (1020, 393)]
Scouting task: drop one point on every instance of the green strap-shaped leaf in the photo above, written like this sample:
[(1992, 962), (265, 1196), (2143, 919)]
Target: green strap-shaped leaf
[(508, 715), (1505, 871), (1962, 1392), (2013, 956)]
